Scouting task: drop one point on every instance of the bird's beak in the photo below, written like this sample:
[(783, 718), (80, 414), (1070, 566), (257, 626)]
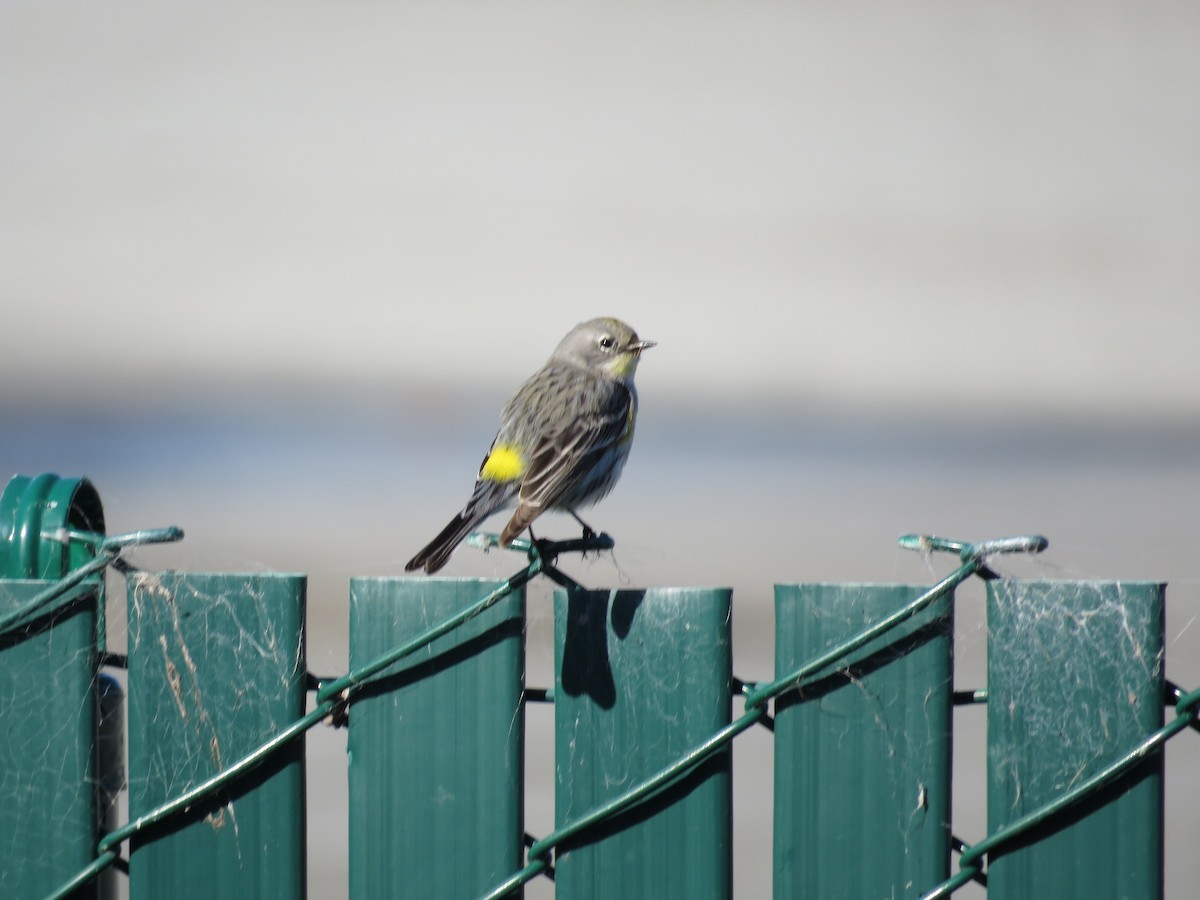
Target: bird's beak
[(642, 345)]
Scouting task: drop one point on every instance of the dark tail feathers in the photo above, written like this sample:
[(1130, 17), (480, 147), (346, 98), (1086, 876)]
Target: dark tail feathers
[(435, 554)]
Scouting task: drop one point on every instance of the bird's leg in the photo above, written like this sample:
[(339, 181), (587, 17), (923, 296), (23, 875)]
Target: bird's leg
[(588, 531)]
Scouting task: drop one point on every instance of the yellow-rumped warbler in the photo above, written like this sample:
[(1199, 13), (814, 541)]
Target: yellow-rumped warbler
[(563, 438)]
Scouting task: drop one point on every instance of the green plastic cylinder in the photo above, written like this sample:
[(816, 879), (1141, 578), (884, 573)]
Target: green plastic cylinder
[(862, 750), (48, 819), (436, 741), (1075, 680), (642, 677), (216, 667), (32, 511)]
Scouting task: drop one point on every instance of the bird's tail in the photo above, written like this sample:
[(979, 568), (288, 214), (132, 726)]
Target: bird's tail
[(437, 551), (488, 497)]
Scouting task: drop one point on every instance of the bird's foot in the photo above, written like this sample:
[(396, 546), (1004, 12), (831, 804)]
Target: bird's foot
[(589, 533)]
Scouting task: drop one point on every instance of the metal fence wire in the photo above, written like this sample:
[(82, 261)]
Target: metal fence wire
[(219, 697)]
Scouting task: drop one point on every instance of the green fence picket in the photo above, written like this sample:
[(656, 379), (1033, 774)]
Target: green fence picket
[(216, 666), (48, 817), (641, 678), (436, 741), (1075, 680), (862, 751)]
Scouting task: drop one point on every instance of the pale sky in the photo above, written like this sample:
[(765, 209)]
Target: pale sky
[(903, 207)]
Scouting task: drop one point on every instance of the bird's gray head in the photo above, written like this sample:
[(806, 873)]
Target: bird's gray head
[(608, 346)]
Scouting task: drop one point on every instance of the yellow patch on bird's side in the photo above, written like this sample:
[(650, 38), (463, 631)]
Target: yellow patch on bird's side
[(504, 463)]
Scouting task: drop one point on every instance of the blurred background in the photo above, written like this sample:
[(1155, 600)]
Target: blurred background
[(269, 273)]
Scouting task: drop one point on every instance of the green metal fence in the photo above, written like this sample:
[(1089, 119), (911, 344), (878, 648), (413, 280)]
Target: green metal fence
[(646, 712)]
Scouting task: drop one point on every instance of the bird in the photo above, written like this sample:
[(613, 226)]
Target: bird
[(563, 438)]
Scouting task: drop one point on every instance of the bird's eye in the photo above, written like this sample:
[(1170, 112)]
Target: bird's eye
[(607, 342)]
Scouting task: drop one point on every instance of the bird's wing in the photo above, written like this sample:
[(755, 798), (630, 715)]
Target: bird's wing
[(558, 460)]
